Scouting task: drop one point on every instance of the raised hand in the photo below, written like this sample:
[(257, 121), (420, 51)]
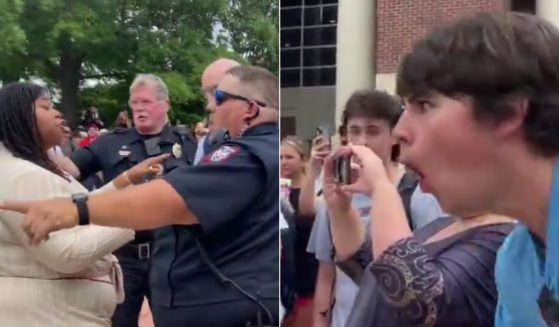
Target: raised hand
[(370, 170), (150, 166), (319, 151)]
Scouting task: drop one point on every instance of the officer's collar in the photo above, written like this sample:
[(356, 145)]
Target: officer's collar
[(166, 135), (264, 128)]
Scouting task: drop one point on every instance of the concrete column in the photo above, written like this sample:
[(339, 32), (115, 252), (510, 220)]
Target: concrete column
[(548, 9), (355, 61)]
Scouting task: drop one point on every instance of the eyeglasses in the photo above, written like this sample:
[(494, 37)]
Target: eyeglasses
[(222, 96)]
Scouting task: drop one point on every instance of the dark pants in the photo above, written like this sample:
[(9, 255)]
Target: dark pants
[(136, 285), (229, 314)]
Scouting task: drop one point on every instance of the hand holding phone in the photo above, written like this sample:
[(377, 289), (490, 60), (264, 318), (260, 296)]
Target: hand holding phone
[(320, 150), (324, 133), (342, 169)]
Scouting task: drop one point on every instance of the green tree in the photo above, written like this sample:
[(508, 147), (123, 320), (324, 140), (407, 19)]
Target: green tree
[(251, 27), (69, 43)]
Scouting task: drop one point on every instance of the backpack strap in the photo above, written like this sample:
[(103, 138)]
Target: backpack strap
[(406, 187)]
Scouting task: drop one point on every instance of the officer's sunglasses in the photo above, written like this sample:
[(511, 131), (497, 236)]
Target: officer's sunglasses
[(222, 96)]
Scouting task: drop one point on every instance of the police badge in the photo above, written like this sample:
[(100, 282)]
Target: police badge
[(177, 150), (124, 152)]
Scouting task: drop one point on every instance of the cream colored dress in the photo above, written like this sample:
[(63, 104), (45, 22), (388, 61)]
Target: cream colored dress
[(69, 280)]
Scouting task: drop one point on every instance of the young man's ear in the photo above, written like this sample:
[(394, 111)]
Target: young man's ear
[(513, 123)]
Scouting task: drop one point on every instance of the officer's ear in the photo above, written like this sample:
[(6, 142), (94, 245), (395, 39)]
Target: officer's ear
[(168, 105), (253, 110)]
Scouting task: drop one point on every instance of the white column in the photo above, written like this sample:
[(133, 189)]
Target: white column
[(548, 9), (355, 61)]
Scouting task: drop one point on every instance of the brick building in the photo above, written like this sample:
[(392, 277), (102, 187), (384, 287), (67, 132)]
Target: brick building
[(330, 48)]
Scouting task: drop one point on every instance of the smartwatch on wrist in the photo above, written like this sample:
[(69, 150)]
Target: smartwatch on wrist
[(80, 199)]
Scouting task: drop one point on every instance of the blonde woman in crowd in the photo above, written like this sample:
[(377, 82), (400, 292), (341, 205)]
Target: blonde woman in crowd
[(293, 160)]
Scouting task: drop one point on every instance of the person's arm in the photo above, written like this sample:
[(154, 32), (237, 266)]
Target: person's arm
[(348, 232), (67, 251), (136, 174), (65, 164), (390, 223), (148, 206), (307, 197), (234, 180), (321, 246), (86, 161), (324, 294), (456, 283)]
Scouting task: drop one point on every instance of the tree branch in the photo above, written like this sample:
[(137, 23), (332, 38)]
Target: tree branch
[(117, 75), (52, 69)]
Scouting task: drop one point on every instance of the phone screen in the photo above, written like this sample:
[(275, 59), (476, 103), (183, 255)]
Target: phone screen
[(323, 132)]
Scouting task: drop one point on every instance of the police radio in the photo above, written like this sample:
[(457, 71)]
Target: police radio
[(152, 149)]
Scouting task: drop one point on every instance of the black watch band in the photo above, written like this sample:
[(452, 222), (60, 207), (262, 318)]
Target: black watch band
[(80, 199)]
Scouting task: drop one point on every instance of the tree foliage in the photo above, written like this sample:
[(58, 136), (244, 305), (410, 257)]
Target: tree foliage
[(90, 50)]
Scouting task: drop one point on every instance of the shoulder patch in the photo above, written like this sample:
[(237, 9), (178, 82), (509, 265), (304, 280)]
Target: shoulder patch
[(223, 153)]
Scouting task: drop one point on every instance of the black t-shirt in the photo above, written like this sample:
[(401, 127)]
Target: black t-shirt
[(306, 265)]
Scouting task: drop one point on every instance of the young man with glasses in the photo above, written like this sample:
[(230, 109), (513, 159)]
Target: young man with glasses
[(220, 266)]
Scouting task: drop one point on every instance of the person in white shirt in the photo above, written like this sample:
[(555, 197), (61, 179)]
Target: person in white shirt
[(74, 270)]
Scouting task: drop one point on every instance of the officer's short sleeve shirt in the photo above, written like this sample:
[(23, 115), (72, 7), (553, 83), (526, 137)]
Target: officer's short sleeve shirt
[(87, 159), (221, 187)]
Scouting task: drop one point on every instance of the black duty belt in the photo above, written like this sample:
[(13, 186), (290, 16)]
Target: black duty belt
[(140, 251)]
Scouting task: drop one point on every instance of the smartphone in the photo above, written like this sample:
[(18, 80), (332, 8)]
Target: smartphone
[(342, 169), (323, 132)]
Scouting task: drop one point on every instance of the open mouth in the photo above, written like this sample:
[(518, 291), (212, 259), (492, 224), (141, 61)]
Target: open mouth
[(425, 187)]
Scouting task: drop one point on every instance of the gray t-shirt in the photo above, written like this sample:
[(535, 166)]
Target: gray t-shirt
[(320, 243), (423, 207)]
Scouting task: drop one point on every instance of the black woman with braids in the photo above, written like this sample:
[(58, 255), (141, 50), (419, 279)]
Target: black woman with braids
[(74, 270)]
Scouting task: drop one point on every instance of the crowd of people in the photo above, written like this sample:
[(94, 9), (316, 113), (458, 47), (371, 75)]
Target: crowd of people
[(167, 241), (449, 214), (435, 207)]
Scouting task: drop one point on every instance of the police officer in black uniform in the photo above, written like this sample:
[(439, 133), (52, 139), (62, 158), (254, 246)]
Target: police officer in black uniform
[(218, 264), (116, 152)]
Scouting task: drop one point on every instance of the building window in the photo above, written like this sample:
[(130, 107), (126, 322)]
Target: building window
[(291, 3), (319, 2), (321, 15), (308, 42), (319, 57), (527, 6), (319, 76), (291, 17), (290, 58), (290, 77)]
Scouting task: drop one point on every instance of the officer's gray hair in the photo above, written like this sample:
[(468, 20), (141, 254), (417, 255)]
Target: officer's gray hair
[(154, 81), (262, 81)]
